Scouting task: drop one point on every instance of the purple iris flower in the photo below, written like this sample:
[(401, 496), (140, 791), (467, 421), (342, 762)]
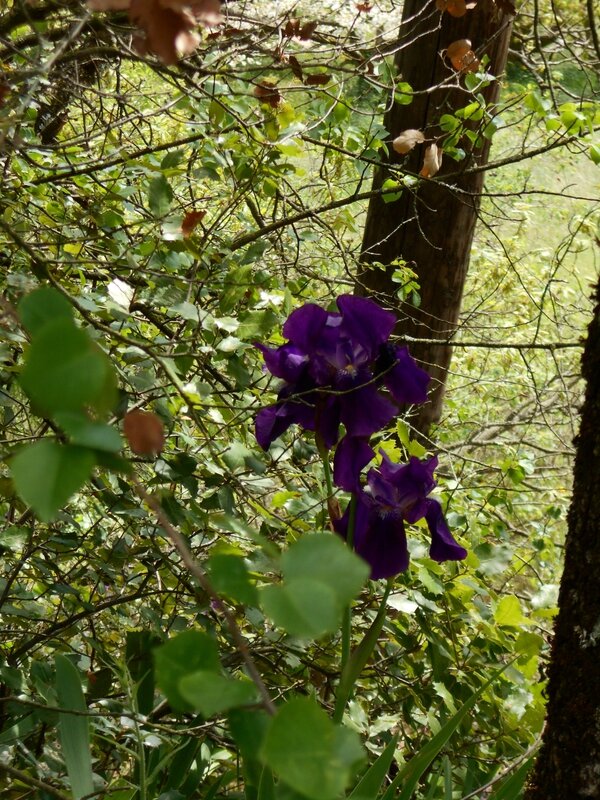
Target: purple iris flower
[(395, 494), (333, 366)]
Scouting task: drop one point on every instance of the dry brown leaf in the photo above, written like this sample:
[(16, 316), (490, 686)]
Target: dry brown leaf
[(317, 80), (145, 433), (267, 92), (456, 8), (168, 32), (335, 512), (307, 30), (208, 12), (108, 5), (462, 57), (408, 139), (295, 67), (292, 28), (364, 8), (432, 161), (191, 219)]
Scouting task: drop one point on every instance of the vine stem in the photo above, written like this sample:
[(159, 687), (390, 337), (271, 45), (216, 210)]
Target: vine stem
[(196, 570)]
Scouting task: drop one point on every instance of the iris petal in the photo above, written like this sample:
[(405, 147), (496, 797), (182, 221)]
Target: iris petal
[(351, 455), (406, 381), (364, 411), (443, 545), (365, 323), (304, 326)]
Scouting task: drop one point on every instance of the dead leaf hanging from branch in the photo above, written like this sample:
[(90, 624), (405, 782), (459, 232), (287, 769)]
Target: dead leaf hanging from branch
[(432, 161), (408, 139)]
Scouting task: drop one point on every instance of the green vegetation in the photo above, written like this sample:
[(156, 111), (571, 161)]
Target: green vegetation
[(166, 585)]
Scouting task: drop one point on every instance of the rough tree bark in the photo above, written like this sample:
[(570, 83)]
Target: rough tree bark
[(432, 229), (568, 766)]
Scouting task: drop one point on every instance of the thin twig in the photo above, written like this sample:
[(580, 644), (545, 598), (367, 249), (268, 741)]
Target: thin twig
[(28, 780), (196, 570)]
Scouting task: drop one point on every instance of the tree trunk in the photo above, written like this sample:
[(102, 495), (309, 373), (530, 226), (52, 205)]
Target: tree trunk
[(568, 766), (432, 228)]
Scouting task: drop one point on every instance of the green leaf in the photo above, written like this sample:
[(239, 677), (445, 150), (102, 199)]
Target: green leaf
[(138, 657), (508, 612), (229, 576), (594, 153), (371, 782), (410, 774), (42, 306), (403, 94), (388, 193), (326, 558), (160, 196), (212, 693), (248, 727), (66, 371), (14, 538), (304, 607), (46, 474), (83, 431), (73, 730), (308, 752), (512, 787), (189, 652)]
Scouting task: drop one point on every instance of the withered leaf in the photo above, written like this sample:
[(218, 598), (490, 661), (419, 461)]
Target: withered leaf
[(456, 8), (168, 32), (307, 30), (462, 57), (432, 161), (295, 67), (408, 139), (364, 7), (292, 28), (317, 80), (108, 5), (208, 12), (191, 219), (333, 507), (267, 92), (144, 432)]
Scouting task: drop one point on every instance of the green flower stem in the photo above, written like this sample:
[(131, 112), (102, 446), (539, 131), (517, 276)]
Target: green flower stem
[(347, 615), (326, 469), (359, 658)]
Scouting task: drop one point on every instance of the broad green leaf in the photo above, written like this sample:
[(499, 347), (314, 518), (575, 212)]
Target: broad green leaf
[(229, 576), (508, 612), (326, 558), (73, 730), (309, 752), (248, 727), (212, 693), (66, 371), (186, 653), (160, 196), (42, 306), (46, 474), (303, 607), (371, 782), (85, 432), (595, 153)]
